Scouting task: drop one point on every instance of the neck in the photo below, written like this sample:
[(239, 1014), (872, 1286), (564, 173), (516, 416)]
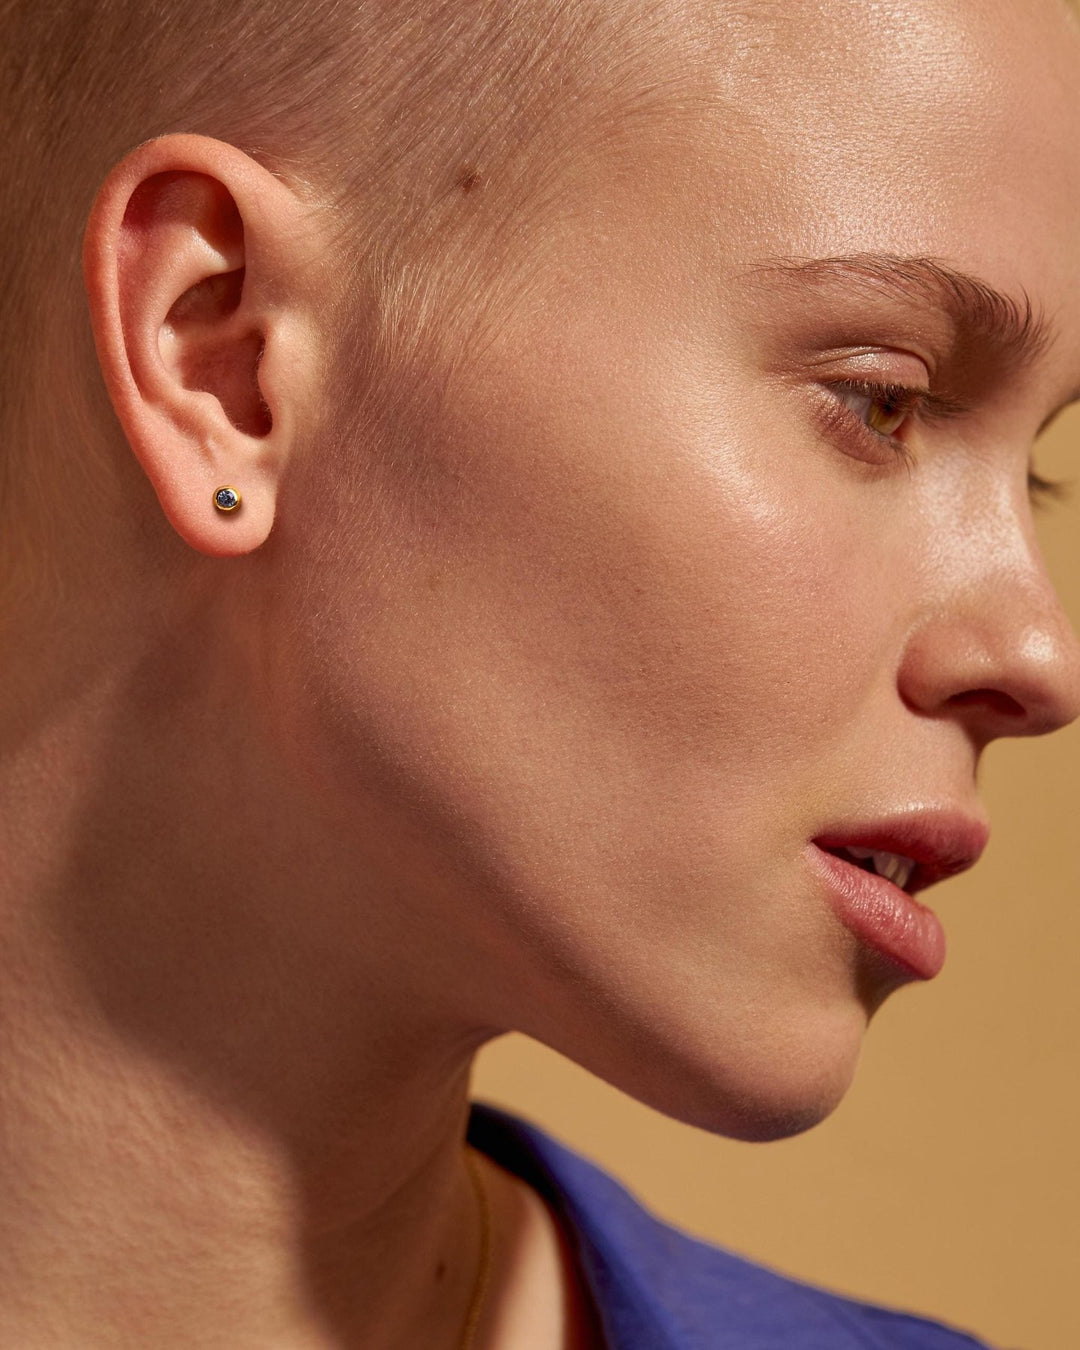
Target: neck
[(232, 1113)]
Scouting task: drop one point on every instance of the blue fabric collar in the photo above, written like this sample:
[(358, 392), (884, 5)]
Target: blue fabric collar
[(657, 1288)]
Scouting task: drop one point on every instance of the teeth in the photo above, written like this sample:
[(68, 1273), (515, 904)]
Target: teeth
[(894, 866)]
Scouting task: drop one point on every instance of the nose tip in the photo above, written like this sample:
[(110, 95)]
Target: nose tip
[(1012, 669), (1047, 677)]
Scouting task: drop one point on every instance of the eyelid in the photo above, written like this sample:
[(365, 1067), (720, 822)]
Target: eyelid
[(876, 364)]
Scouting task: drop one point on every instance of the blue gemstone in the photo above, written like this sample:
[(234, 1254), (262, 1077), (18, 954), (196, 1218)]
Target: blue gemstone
[(226, 498)]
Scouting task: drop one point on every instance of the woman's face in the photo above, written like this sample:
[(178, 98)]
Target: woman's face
[(651, 596)]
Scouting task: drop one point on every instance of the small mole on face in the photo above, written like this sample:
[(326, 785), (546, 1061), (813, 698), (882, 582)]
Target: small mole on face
[(440, 1270), (469, 179)]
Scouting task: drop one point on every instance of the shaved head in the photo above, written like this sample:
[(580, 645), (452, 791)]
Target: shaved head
[(415, 130)]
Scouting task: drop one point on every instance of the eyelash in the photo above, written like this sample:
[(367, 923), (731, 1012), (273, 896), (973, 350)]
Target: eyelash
[(912, 402), (899, 396)]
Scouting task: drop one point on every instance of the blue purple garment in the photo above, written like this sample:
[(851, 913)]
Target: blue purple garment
[(657, 1288)]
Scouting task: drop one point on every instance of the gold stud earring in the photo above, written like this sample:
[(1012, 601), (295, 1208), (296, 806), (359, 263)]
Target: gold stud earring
[(226, 499)]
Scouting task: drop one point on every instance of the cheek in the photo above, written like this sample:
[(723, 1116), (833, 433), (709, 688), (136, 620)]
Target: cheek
[(599, 631), (674, 577)]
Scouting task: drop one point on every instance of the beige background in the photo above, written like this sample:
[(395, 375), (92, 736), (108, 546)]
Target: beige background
[(947, 1182)]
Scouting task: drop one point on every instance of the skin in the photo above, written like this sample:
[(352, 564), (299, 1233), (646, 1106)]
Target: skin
[(527, 725)]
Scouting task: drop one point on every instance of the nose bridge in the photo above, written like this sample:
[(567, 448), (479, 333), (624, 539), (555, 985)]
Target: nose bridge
[(993, 644)]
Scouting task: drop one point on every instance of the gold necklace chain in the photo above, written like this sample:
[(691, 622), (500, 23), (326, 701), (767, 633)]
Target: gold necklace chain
[(476, 1302)]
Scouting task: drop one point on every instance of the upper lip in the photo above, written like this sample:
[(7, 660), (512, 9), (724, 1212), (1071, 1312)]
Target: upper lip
[(941, 841)]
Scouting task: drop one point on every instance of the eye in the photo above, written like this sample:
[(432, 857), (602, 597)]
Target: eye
[(882, 408), (869, 416)]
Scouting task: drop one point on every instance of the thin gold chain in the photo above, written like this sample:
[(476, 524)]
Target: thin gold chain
[(476, 1302)]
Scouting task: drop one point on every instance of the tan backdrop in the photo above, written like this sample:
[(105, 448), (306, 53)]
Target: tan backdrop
[(947, 1181)]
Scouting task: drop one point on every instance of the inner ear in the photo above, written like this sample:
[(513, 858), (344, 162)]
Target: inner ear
[(204, 344), (210, 301)]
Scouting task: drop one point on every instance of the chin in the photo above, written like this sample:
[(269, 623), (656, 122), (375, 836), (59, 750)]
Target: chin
[(776, 1103), (771, 1082), (792, 1110)]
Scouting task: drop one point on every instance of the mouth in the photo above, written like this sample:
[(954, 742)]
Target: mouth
[(893, 866), (872, 872), (914, 851)]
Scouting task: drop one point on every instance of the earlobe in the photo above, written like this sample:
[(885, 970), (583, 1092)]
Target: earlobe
[(187, 258)]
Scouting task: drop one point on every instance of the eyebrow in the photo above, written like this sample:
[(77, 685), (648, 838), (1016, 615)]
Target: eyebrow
[(1010, 329)]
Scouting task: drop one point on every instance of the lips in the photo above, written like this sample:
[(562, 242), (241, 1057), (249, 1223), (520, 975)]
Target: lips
[(942, 843), (883, 917)]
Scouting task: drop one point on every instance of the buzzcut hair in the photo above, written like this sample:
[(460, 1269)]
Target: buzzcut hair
[(394, 119)]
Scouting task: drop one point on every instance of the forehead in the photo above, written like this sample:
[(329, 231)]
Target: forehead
[(920, 60), (941, 128)]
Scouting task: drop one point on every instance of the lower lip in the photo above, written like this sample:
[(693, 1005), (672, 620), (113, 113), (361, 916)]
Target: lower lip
[(882, 915)]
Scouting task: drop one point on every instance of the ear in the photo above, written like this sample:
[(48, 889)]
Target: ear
[(197, 263)]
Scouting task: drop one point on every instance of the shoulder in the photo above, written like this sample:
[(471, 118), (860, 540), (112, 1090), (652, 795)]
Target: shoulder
[(657, 1287)]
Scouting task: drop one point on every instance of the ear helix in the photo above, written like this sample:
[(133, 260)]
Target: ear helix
[(226, 498)]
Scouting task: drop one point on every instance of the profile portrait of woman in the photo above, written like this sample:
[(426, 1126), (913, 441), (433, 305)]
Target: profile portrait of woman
[(516, 516)]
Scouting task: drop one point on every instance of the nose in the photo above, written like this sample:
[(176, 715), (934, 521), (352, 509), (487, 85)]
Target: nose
[(997, 652)]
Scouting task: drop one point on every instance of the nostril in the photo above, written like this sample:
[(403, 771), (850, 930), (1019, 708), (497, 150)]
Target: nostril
[(1000, 703)]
